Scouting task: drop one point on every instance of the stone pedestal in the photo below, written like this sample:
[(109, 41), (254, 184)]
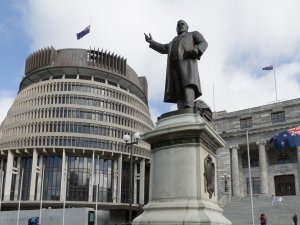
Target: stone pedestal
[(183, 161), (224, 199)]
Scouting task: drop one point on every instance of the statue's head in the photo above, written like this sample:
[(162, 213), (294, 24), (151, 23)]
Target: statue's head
[(181, 27)]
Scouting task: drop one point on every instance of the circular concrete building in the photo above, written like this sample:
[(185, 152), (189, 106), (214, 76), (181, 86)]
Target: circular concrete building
[(62, 137)]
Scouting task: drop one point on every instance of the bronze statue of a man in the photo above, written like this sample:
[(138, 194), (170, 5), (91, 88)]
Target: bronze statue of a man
[(182, 78)]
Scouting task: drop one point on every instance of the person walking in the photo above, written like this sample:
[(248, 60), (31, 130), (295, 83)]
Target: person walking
[(273, 201), (295, 219), (263, 219)]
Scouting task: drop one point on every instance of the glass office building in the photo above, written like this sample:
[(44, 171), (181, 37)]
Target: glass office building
[(62, 139)]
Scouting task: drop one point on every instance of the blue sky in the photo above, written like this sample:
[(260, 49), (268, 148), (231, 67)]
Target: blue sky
[(243, 37), (14, 48)]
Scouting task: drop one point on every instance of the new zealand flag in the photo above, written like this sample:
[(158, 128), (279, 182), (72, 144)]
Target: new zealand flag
[(268, 67), (287, 139), (83, 33)]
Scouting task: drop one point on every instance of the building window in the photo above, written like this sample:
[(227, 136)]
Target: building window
[(70, 76), (26, 165), (83, 77), (13, 195), (255, 185), (79, 175), (254, 162), (103, 181), (52, 177), (246, 123), (57, 77), (125, 182), (278, 117), (99, 80), (283, 158)]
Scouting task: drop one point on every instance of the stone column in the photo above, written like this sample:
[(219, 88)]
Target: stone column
[(39, 181), (18, 178), (115, 181), (142, 182), (1, 164), (92, 178), (235, 171), (298, 157), (1, 179), (33, 174), (135, 180), (241, 175), (63, 176), (119, 179), (8, 175), (263, 168)]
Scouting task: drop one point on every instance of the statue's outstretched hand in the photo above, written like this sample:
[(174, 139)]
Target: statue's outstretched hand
[(148, 38)]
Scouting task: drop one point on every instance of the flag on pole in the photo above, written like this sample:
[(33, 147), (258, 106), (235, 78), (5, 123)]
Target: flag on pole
[(287, 139), (268, 67), (84, 32)]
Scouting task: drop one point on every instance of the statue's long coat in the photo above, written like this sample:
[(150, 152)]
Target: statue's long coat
[(188, 67)]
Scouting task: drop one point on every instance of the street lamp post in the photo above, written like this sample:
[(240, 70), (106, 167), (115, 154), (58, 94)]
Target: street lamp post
[(130, 143), (226, 178)]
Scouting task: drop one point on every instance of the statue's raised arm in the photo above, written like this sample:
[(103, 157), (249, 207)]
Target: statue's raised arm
[(182, 78), (148, 38)]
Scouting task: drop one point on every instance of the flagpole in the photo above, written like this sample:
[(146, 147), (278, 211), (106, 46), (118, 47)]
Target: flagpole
[(41, 195), (20, 197), (250, 177), (275, 81)]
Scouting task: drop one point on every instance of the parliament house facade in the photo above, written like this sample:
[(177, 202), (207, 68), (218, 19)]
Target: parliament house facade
[(62, 139), (273, 172)]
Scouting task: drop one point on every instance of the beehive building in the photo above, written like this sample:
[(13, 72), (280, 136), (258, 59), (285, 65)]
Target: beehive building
[(62, 137)]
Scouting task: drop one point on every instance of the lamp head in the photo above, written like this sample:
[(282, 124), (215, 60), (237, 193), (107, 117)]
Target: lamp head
[(136, 136), (126, 138)]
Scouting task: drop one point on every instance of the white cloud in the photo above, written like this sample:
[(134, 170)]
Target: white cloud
[(243, 37), (6, 102)]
